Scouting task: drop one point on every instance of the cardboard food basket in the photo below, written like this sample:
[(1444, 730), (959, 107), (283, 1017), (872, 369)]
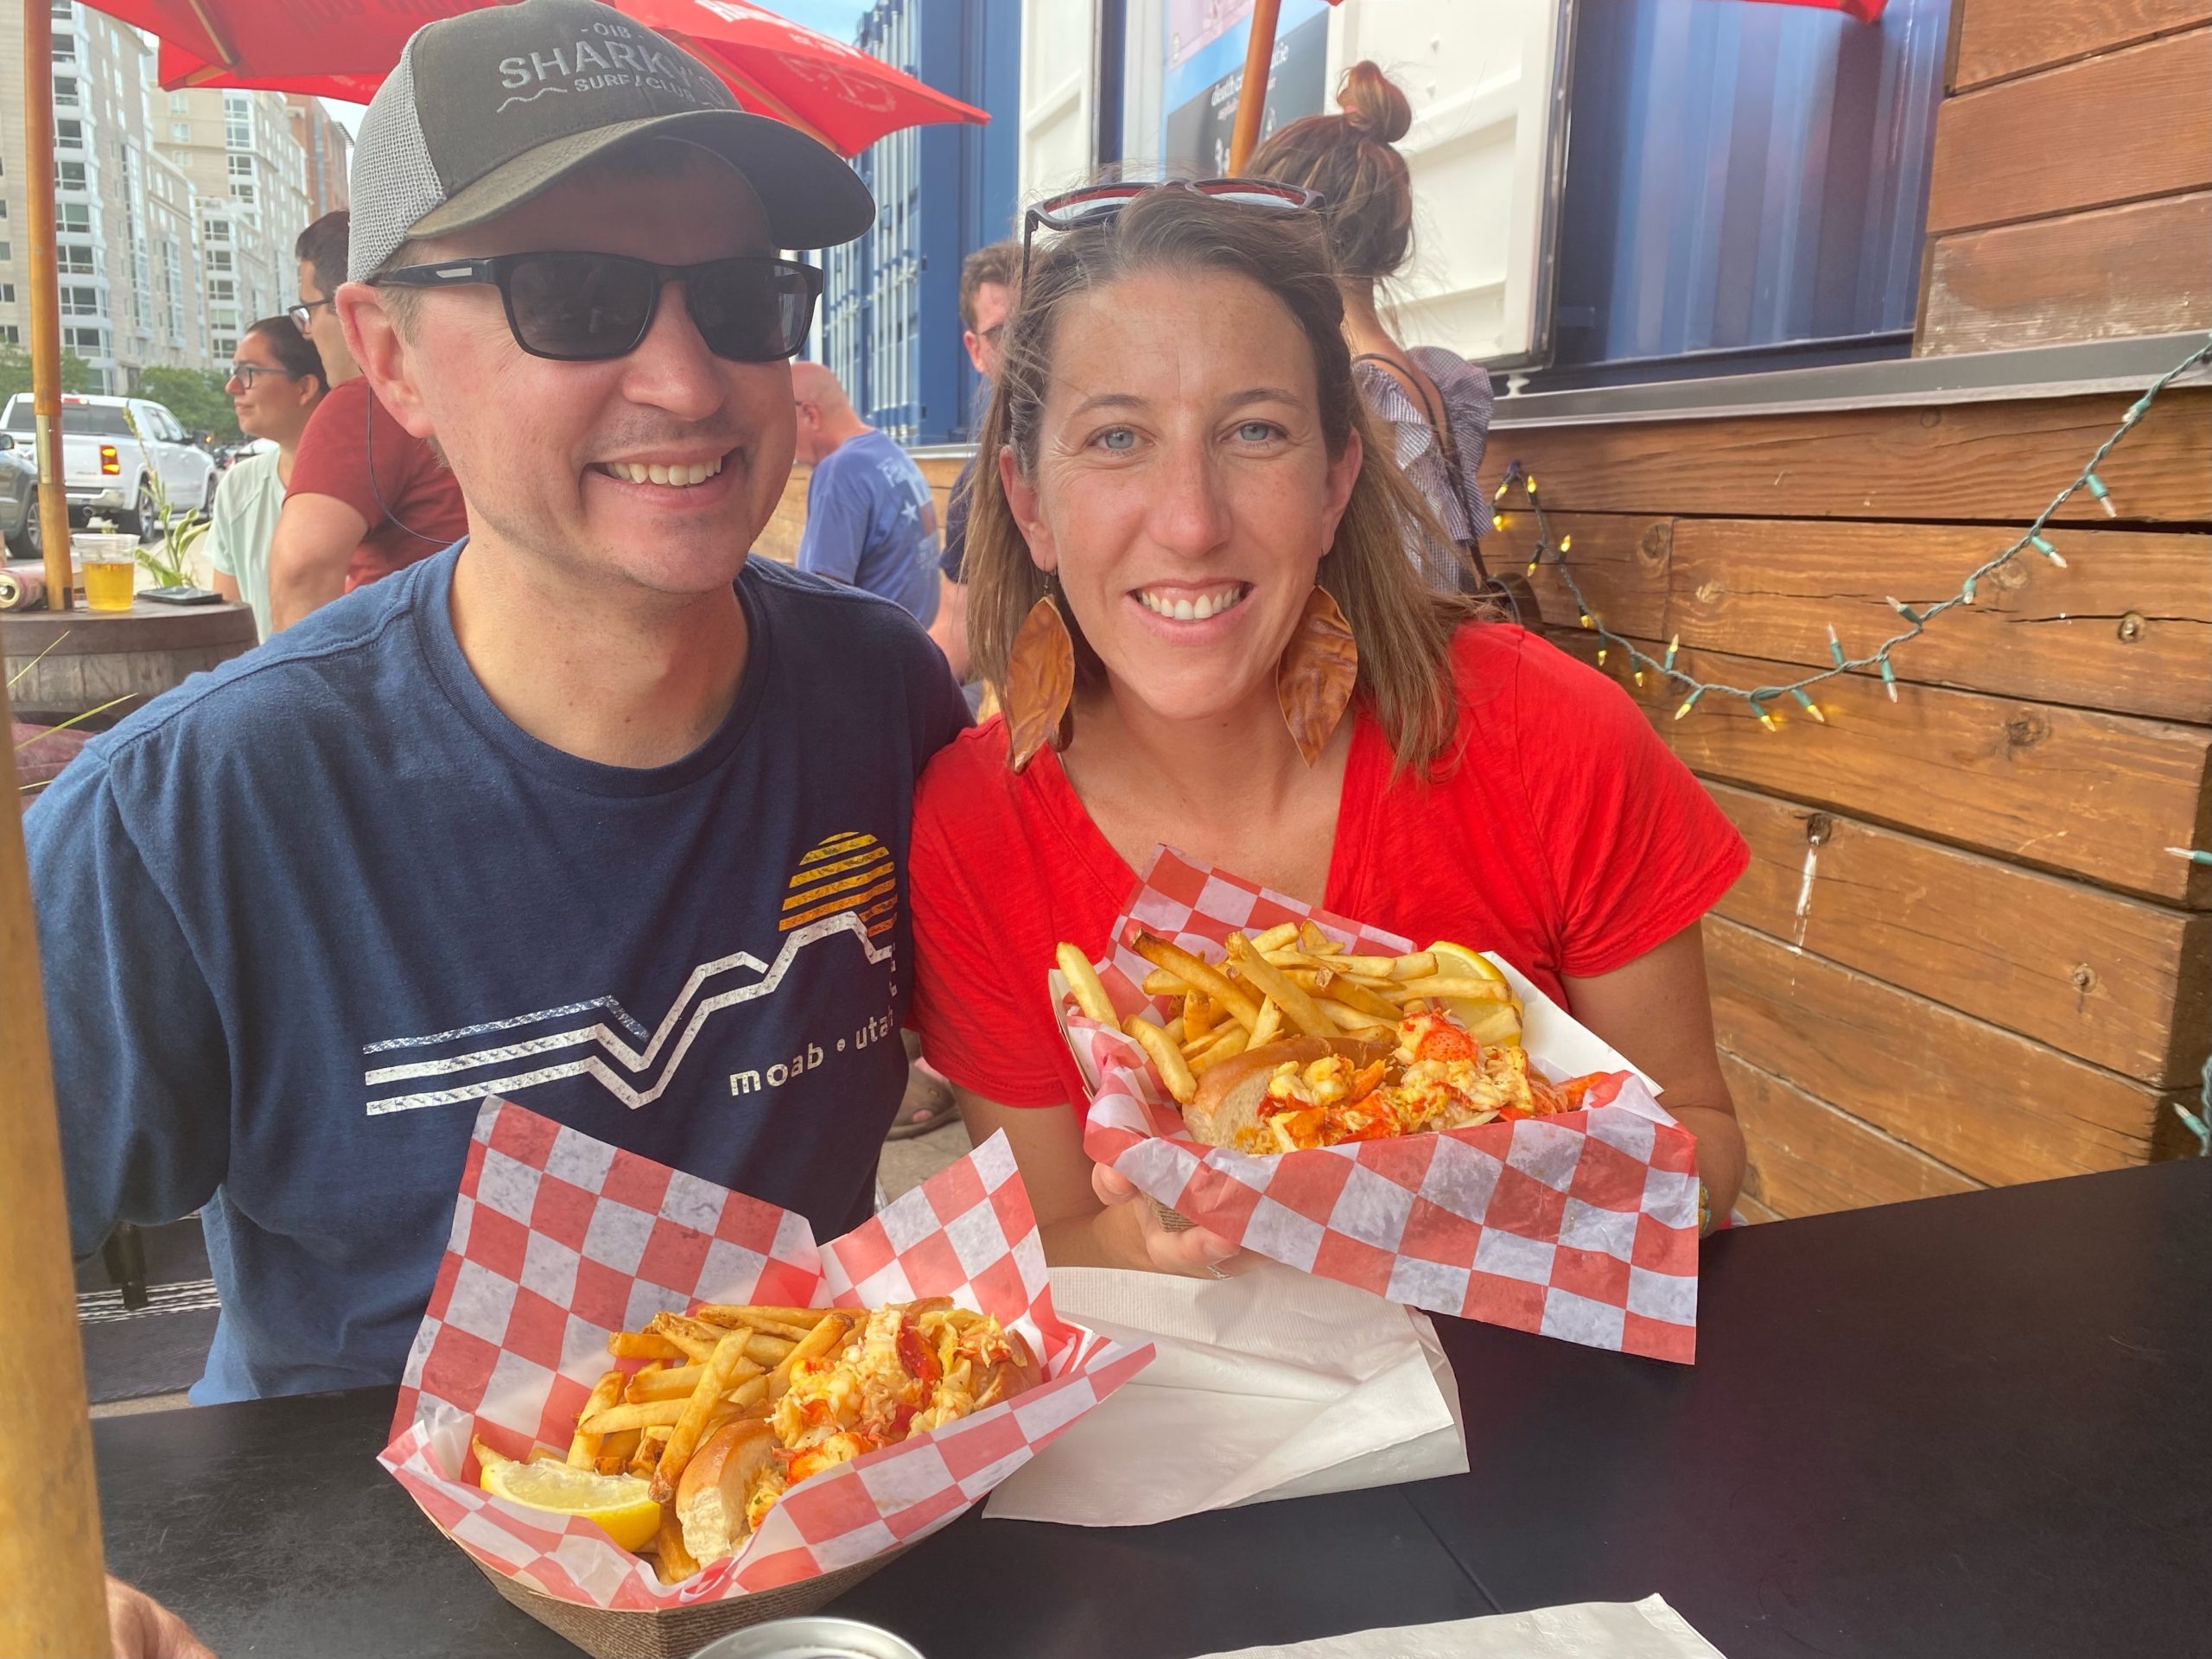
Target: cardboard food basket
[(1582, 1225), (559, 1240)]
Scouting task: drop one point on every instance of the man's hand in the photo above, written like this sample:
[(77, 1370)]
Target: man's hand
[(138, 1627)]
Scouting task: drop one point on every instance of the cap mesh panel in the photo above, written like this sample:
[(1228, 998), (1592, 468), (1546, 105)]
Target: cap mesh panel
[(395, 182)]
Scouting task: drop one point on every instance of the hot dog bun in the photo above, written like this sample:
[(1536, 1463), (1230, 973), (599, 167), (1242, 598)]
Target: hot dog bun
[(1230, 1094), (710, 1499)]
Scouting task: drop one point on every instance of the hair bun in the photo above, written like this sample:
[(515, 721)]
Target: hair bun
[(1373, 105)]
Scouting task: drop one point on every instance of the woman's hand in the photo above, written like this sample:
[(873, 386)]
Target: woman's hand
[(1129, 1225), (1091, 1217)]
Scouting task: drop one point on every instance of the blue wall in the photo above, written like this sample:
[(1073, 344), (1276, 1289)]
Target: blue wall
[(891, 324)]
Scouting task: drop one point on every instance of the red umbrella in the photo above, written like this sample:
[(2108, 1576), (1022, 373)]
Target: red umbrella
[(774, 66)]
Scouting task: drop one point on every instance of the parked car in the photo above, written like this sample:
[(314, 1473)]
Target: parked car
[(18, 500), (107, 469)]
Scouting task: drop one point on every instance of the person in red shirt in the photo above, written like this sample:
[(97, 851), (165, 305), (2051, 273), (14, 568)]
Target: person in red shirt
[(1181, 456), (367, 497)]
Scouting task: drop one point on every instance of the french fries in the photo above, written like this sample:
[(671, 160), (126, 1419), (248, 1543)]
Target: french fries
[(690, 1425), (1289, 979), (1174, 1070), (1200, 975), (583, 1447), (826, 1335), (1083, 981)]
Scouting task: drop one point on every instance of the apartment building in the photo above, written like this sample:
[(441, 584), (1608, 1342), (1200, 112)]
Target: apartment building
[(329, 150), (251, 175), (175, 213)]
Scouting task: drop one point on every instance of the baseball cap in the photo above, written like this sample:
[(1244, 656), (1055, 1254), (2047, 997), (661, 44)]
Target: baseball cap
[(489, 108)]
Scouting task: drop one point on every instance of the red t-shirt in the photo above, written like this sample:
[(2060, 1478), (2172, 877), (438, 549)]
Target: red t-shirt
[(1566, 838), (413, 507)]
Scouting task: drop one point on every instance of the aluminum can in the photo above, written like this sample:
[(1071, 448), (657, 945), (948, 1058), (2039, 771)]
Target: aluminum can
[(813, 1638)]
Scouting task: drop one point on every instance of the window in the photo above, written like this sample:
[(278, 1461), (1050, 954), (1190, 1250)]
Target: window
[(7, 252), (75, 259), (241, 167), (1719, 213), (69, 217), (179, 132), (69, 175), (70, 135), (223, 346), (223, 288), (219, 230), (7, 293), (219, 259), (80, 301), (65, 91), (241, 191), (65, 48), (180, 104), (9, 334), (92, 340)]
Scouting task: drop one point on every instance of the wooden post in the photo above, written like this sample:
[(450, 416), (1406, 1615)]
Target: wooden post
[(46, 304), (49, 1507), (1252, 97)]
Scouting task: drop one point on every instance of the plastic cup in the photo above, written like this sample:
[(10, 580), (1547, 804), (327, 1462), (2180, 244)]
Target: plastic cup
[(107, 566)]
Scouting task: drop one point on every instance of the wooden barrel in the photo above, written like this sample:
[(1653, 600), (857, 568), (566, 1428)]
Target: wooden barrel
[(92, 657)]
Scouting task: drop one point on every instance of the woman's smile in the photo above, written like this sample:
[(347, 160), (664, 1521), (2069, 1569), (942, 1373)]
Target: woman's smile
[(1181, 602)]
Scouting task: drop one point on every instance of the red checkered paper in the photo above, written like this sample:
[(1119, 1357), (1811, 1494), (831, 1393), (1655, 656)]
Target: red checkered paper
[(1582, 1225), (559, 1240)]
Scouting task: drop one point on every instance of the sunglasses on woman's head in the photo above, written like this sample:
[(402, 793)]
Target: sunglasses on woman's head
[(588, 308), (1095, 204)]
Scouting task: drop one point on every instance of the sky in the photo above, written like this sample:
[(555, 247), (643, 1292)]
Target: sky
[(838, 18)]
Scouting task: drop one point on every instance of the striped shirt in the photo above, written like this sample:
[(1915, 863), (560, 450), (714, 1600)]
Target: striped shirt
[(1466, 394)]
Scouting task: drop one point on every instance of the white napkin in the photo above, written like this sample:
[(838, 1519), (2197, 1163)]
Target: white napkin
[(1270, 1384), (1592, 1630)]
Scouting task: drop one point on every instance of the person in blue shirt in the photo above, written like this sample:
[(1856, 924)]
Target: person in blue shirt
[(870, 521), (590, 811)]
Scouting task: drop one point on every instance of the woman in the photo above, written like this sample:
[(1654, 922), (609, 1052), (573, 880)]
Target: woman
[(276, 380), (1179, 459), (1431, 406)]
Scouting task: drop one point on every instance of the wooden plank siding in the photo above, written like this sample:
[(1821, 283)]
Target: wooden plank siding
[(1962, 954), (2108, 274), (2121, 126), (1999, 39), (2071, 193), (1995, 461)]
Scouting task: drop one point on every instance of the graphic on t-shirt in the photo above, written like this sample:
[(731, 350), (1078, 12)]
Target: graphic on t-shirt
[(846, 883)]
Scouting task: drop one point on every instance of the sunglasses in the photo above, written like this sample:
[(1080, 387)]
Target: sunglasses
[(1095, 204), (588, 308)]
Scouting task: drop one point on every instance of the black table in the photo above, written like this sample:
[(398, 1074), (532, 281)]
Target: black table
[(1972, 1426)]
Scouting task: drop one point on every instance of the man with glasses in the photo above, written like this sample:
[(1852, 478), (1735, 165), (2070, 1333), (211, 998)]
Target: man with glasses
[(367, 497), (590, 812)]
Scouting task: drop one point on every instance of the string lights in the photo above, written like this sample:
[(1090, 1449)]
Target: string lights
[(1916, 618)]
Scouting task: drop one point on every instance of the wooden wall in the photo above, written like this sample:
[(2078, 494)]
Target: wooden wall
[(2071, 195), (1962, 955)]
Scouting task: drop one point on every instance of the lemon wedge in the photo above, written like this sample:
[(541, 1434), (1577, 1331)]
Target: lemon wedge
[(1496, 1023), (617, 1504)]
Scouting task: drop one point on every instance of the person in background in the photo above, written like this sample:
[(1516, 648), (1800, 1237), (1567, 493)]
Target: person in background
[(366, 497), (870, 522), (1433, 404), (276, 382), (987, 279)]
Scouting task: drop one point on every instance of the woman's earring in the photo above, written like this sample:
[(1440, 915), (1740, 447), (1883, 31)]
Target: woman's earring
[(1314, 680), (1039, 685)]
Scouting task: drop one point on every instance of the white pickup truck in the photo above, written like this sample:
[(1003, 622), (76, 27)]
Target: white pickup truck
[(109, 471)]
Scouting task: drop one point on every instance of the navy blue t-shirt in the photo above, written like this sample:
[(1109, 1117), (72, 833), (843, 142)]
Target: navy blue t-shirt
[(299, 916), (870, 522)]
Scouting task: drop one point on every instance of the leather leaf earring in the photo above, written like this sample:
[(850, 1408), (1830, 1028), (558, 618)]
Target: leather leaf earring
[(1039, 685), (1315, 677)]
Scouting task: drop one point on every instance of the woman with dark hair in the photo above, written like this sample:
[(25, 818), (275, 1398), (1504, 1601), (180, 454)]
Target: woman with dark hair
[(1192, 592), (276, 380), (1431, 404)]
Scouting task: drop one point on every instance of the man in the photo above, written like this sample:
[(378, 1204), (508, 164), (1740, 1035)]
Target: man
[(869, 519), (591, 812), (987, 279), (366, 498)]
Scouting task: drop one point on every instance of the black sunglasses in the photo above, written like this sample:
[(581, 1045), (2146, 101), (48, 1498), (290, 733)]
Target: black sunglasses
[(586, 308), (1095, 204)]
